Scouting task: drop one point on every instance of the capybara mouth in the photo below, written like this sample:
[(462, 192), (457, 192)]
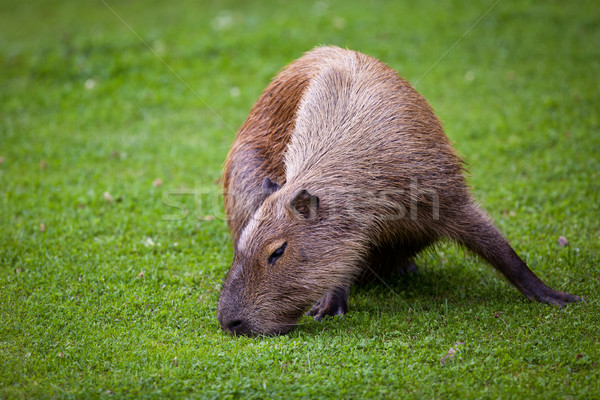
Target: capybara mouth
[(242, 327)]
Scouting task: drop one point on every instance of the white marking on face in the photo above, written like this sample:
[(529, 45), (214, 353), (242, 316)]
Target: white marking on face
[(247, 232)]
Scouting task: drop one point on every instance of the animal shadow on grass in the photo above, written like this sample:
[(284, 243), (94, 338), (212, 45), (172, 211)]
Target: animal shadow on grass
[(426, 289), (460, 285)]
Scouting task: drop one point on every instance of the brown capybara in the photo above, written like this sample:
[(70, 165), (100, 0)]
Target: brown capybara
[(342, 168)]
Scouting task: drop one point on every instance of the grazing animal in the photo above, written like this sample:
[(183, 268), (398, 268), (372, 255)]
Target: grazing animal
[(342, 169)]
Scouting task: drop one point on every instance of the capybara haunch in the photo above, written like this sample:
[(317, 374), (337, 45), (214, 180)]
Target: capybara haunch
[(342, 169)]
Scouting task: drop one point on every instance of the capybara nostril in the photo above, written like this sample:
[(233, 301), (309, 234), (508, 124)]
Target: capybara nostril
[(235, 325)]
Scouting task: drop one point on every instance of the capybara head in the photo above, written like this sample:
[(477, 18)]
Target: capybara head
[(281, 265)]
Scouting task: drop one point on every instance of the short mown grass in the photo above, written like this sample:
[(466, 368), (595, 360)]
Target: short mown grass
[(113, 244)]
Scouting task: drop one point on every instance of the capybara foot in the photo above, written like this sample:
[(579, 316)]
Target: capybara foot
[(335, 302), (550, 296)]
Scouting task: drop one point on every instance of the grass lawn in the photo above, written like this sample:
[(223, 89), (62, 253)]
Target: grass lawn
[(113, 244)]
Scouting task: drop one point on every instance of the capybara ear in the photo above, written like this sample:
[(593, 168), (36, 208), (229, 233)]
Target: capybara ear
[(269, 187), (305, 205)]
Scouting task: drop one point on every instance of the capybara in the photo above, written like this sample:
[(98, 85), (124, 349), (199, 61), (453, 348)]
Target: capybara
[(342, 169)]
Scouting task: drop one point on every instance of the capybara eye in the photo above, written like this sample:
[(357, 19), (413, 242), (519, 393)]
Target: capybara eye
[(277, 253)]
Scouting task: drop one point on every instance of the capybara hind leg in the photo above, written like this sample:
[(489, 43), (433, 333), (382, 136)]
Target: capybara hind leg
[(386, 263), (335, 302), (484, 239), (407, 267)]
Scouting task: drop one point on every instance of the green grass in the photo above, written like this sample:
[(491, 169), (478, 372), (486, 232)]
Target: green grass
[(118, 299)]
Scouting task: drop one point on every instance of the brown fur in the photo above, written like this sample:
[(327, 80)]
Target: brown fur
[(361, 177)]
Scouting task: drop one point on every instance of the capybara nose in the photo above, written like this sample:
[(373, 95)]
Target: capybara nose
[(235, 326)]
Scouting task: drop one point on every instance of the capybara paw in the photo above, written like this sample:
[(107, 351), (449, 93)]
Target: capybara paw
[(333, 303), (557, 298)]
